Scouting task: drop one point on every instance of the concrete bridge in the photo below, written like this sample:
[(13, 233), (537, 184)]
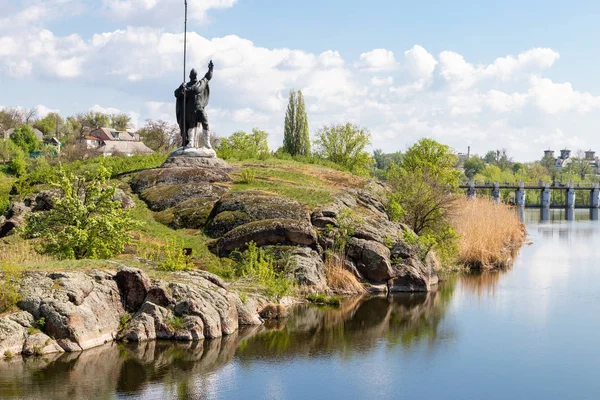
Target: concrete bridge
[(545, 190)]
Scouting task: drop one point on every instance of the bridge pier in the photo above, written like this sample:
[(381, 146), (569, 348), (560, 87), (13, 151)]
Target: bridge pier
[(595, 196), (520, 195), (496, 192), (546, 196), (571, 196), (471, 192)]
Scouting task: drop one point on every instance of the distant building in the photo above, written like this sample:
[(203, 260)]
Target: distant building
[(565, 159), (109, 141)]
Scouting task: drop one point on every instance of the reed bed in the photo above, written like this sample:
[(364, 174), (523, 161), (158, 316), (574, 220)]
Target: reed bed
[(339, 279), (490, 234)]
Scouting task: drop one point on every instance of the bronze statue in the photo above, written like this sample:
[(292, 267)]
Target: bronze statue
[(190, 113)]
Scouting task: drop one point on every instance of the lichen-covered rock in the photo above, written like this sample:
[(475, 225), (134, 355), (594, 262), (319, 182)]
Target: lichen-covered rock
[(123, 198), (413, 276), (162, 197), (14, 218), (247, 311), (372, 259), (268, 232), (12, 337), (181, 161), (177, 176), (240, 208), (191, 214)]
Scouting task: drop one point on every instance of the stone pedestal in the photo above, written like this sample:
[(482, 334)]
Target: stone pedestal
[(195, 157)]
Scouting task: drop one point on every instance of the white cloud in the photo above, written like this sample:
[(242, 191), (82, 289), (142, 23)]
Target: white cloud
[(419, 63), (504, 102), (554, 98), (41, 111), (377, 60), (376, 81), (162, 12)]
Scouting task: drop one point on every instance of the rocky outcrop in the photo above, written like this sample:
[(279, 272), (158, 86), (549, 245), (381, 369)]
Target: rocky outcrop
[(239, 208), (308, 269), (413, 276), (265, 233), (190, 214), (161, 197), (80, 310)]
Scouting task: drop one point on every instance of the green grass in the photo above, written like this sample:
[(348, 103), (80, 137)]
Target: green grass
[(324, 299), (176, 323)]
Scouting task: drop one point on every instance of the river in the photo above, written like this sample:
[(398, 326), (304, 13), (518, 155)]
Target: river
[(531, 332)]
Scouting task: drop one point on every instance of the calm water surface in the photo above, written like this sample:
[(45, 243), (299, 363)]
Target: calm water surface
[(531, 332)]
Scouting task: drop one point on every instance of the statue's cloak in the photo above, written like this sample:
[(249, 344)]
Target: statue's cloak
[(196, 99)]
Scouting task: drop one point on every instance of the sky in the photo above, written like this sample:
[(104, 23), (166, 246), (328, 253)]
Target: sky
[(519, 75)]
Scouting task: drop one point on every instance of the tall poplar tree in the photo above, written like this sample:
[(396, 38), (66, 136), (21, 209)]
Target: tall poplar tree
[(296, 139)]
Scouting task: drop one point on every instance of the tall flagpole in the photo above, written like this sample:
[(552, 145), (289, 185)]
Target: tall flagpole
[(184, 59)]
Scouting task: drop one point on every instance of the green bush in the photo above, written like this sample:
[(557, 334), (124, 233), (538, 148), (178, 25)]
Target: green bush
[(259, 265), (86, 221), (324, 299), (24, 137), (247, 175), (244, 146), (9, 287), (173, 257), (345, 145)]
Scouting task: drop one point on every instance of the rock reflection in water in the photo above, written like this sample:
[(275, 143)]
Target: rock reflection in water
[(185, 370), (357, 326)]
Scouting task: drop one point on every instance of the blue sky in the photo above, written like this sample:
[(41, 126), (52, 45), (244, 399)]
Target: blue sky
[(520, 75)]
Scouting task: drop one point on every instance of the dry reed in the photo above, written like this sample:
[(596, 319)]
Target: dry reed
[(16, 251), (339, 279), (490, 234)]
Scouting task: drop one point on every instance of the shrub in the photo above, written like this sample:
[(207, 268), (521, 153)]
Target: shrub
[(176, 323), (247, 175), (174, 257), (86, 221), (244, 146), (257, 264), (9, 287), (324, 299)]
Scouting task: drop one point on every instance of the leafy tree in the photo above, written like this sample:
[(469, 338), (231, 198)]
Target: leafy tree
[(243, 146), (90, 120), (473, 165), (24, 138), (50, 125), (158, 135), (422, 194), (86, 222), (17, 164), (345, 145), (8, 149), (383, 161), (499, 158), (579, 166), (120, 122), (11, 118), (296, 138)]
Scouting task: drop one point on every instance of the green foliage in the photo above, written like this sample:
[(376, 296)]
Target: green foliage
[(173, 257), (8, 355), (124, 320), (176, 323), (345, 145), (24, 138), (422, 195), (434, 159), (86, 221), (120, 122), (247, 175), (38, 326), (324, 299), (473, 166), (296, 138), (8, 149), (50, 124), (383, 161), (259, 265), (10, 293), (17, 164), (243, 146)]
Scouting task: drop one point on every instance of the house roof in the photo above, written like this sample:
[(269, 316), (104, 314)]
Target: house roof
[(113, 134), (124, 147), (90, 137)]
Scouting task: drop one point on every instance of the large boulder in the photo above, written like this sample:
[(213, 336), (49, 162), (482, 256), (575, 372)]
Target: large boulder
[(239, 208), (372, 259), (81, 310), (413, 276), (191, 214), (267, 232), (176, 176), (161, 197), (133, 284), (308, 268)]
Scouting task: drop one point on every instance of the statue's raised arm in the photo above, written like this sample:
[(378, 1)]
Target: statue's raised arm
[(209, 74)]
